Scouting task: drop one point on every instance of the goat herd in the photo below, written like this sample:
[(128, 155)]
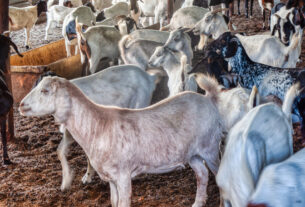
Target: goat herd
[(239, 127)]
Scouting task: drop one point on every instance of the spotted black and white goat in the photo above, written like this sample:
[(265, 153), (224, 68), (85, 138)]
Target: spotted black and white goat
[(269, 80)]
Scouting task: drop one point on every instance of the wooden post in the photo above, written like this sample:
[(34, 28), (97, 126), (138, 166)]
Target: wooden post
[(170, 9), (4, 27)]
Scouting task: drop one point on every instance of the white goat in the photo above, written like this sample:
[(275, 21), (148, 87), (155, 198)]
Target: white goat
[(98, 42), (284, 24), (137, 51), (212, 24), (281, 184), (124, 143), (263, 136), (156, 10), (125, 86), (56, 14), (25, 18), (120, 8), (185, 17), (269, 50), (85, 16), (178, 79), (232, 104), (161, 10), (179, 41), (277, 21), (147, 8)]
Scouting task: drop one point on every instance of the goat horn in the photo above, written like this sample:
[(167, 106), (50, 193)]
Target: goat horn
[(219, 10)]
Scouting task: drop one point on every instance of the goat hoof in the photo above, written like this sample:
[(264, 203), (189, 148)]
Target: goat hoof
[(67, 181), (65, 187), (27, 47), (7, 162)]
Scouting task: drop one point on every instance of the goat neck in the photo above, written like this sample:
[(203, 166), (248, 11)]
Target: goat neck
[(86, 120), (174, 71)]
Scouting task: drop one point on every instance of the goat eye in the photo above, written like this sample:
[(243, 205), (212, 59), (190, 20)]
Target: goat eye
[(44, 91)]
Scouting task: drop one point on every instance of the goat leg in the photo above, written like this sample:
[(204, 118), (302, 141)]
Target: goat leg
[(114, 194), (6, 159), (123, 184), (87, 178), (202, 175), (231, 9), (62, 150), (247, 8), (251, 8), (264, 18), (238, 7)]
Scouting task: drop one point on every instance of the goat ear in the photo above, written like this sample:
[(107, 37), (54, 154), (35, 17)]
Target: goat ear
[(296, 17), (232, 47)]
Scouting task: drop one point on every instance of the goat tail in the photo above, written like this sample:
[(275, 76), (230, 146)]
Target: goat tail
[(122, 47), (254, 98), (209, 84), (78, 28), (289, 99), (14, 46)]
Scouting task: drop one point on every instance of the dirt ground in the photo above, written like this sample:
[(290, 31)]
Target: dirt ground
[(35, 177)]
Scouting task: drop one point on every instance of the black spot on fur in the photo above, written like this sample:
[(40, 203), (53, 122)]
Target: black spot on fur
[(90, 5), (100, 17)]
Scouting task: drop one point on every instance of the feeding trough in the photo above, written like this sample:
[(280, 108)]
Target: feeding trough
[(51, 57)]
